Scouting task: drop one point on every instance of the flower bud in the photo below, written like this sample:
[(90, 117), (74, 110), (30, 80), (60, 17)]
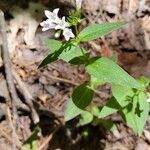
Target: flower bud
[(78, 4)]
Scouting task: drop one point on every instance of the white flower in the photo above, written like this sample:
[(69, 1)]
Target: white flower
[(54, 22), (67, 33), (47, 25), (52, 16), (148, 97), (78, 4), (62, 24)]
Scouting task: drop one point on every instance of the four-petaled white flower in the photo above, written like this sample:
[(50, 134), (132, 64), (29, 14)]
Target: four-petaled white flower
[(53, 16), (148, 97), (54, 22), (78, 4), (68, 34), (47, 25)]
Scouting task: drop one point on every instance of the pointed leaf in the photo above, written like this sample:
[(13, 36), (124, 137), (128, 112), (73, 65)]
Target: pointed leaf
[(122, 94), (69, 54), (53, 45), (71, 110), (97, 30), (79, 60), (109, 72), (82, 96), (50, 58), (108, 124), (58, 50), (111, 107), (55, 55), (136, 114)]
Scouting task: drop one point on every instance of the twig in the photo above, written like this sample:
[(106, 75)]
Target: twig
[(28, 97), (9, 77), (29, 100), (9, 139), (73, 83), (16, 140), (61, 79)]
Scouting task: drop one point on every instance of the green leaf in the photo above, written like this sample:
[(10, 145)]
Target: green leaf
[(82, 96), (55, 54), (79, 60), (55, 50), (69, 54), (145, 81), (53, 45), (108, 124), (122, 94), (144, 106), (85, 118), (50, 58), (111, 107), (58, 50), (32, 142), (108, 71), (97, 30), (71, 110), (136, 113)]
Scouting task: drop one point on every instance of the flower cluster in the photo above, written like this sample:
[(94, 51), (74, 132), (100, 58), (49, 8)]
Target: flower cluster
[(54, 22)]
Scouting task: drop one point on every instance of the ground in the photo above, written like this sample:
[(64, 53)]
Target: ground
[(49, 88)]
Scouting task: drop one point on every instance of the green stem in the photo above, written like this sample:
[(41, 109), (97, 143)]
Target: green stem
[(84, 54)]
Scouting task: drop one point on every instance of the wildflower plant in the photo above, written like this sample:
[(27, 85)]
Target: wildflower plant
[(129, 96)]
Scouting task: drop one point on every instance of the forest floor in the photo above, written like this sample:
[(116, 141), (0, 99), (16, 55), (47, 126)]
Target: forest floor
[(41, 94)]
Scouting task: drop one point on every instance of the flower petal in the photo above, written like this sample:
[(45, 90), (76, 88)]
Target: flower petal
[(47, 24), (55, 11), (45, 29), (48, 14), (52, 16), (67, 33)]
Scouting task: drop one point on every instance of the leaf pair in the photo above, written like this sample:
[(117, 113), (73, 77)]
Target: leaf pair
[(81, 98), (68, 52)]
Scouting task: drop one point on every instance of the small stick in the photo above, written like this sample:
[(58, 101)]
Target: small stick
[(28, 97), (73, 83), (9, 77), (15, 137), (8, 138)]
